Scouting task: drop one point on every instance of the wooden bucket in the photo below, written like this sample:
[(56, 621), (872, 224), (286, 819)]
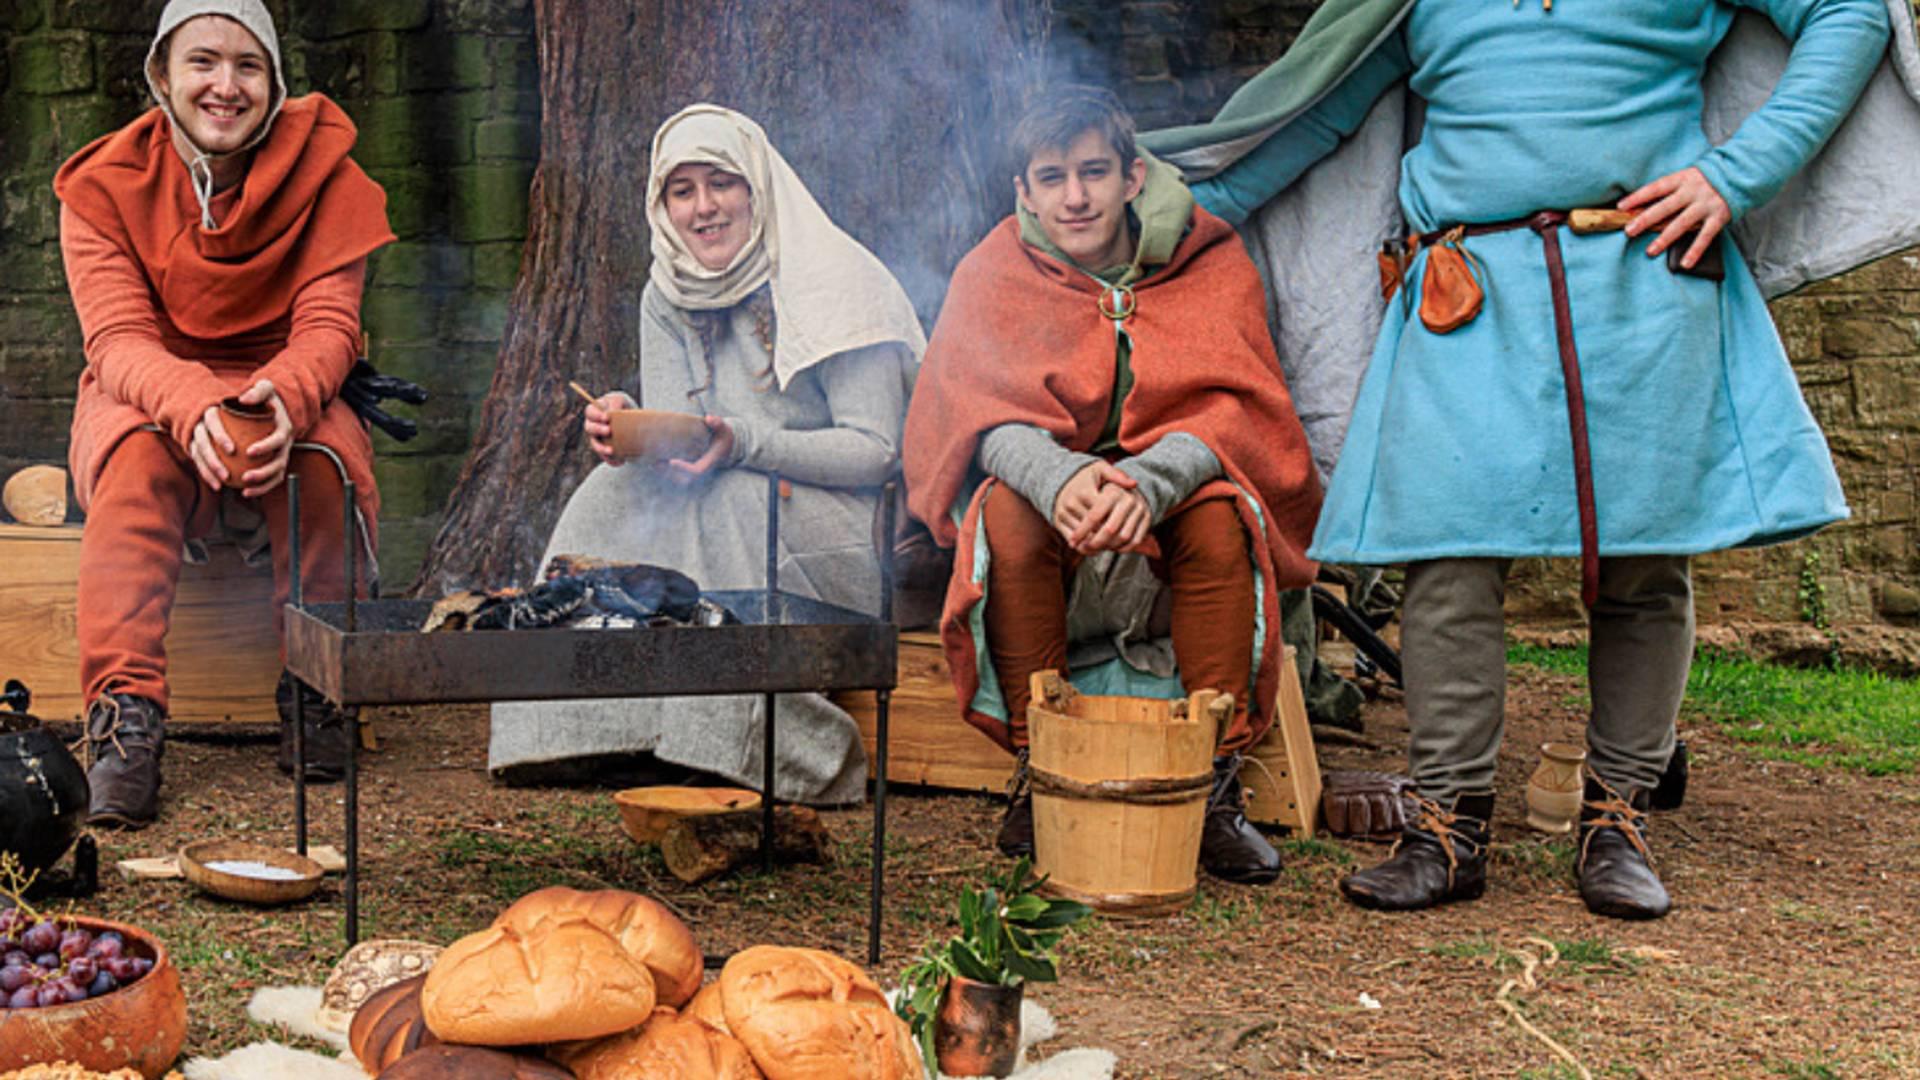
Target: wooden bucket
[(1120, 790)]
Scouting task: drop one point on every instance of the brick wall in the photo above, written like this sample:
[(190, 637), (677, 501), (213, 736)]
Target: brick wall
[(445, 93), (1854, 341), (446, 97)]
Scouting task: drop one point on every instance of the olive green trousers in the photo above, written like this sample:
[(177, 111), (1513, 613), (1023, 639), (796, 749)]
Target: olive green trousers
[(1453, 647)]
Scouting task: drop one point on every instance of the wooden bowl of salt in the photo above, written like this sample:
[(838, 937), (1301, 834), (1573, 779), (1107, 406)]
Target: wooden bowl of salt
[(250, 873)]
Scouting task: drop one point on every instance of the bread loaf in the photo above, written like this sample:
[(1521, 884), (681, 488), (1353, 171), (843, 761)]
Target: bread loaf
[(707, 1008), (472, 1063), (37, 495), (389, 1026), (808, 1015), (654, 935), (366, 969), (564, 979), (669, 1045)]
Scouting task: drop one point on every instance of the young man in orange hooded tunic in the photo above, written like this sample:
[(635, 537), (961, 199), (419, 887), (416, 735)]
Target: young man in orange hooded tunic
[(214, 247), (1102, 381)]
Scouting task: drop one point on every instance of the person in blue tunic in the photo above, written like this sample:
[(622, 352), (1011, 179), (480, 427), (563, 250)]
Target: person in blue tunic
[(1618, 393)]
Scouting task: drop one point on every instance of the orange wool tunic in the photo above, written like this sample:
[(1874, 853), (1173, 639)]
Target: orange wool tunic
[(177, 316)]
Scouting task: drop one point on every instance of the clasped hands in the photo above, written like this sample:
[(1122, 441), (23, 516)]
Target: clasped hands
[(272, 452), (1099, 509), (598, 424)]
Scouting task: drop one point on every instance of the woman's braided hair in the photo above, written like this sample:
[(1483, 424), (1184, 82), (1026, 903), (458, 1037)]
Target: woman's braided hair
[(712, 327)]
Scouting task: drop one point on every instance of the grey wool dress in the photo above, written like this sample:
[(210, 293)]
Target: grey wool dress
[(834, 432)]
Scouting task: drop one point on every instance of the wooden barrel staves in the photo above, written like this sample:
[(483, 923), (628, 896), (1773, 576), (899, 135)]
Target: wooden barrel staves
[(1119, 794)]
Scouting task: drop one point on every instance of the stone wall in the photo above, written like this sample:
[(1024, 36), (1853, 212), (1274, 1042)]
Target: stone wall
[(445, 93), (446, 96), (1855, 341)]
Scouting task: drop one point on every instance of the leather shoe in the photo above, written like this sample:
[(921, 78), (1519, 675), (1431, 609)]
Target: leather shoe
[(1441, 857), (1230, 847), (1614, 867), (1016, 828), (126, 735), (328, 729)]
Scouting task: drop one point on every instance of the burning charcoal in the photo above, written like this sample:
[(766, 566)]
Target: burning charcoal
[(547, 604), (452, 611), (708, 613), (640, 592)]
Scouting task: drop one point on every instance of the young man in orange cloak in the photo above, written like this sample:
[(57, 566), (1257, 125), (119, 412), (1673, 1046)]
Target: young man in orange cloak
[(214, 247), (1101, 430)]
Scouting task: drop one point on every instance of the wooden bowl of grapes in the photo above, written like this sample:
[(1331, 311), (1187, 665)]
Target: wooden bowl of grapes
[(250, 873), (129, 1014)]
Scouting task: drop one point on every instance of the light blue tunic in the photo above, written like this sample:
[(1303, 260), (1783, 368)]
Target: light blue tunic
[(1459, 444)]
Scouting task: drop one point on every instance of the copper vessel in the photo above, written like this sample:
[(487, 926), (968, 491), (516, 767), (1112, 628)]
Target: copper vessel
[(977, 1030)]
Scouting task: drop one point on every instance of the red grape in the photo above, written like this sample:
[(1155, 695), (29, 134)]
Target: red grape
[(50, 961), (27, 997), (15, 958), (12, 919), (82, 969), (14, 977), (74, 943), (121, 968), (107, 946), (51, 994), (102, 983), (141, 965), (41, 938)]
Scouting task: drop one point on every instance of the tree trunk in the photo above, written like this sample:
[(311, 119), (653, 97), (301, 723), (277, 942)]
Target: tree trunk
[(893, 112)]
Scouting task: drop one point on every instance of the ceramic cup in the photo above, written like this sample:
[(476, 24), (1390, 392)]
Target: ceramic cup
[(246, 425), (1553, 794)]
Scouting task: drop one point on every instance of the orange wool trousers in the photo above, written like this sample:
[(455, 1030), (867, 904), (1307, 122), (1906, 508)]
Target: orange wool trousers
[(148, 502), (1204, 560)]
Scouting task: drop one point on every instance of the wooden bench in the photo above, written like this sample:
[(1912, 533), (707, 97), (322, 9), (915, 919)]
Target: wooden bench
[(222, 656), (930, 745)]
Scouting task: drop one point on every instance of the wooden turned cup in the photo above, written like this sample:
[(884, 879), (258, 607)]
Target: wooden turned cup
[(246, 425), (653, 435)]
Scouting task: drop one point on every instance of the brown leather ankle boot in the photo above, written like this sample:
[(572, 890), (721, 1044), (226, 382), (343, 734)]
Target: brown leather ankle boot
[(1016, 828), (1230, 847), (1441, 856), (328, 731), (1614, 866), (126, 736)]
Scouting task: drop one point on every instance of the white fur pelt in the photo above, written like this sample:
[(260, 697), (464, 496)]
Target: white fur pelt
[(293, 1008)]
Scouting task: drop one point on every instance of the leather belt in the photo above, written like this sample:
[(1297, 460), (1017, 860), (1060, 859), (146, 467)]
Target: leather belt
[(1547, 224)]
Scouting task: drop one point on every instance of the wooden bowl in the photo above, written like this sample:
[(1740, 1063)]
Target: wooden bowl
[(246, 425), (654, 436), (645, 812), (140, 1027), (195, 857)]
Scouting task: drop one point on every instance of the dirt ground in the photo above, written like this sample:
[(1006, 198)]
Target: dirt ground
[(1790, 950)]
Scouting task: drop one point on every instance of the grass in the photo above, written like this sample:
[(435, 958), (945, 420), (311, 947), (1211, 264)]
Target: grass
[(1845, 718)]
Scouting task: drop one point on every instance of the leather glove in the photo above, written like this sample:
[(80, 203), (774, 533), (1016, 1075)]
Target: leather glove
[(366, 388), (1363, 802)]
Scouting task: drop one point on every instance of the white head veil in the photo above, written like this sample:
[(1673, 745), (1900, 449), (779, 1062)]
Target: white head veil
[(251, 14), (830, 295)]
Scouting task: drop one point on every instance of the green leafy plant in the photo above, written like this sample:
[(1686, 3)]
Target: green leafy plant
[(1008, 934)]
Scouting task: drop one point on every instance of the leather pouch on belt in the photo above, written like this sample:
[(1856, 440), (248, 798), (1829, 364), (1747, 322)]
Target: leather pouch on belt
[(1450, 290)]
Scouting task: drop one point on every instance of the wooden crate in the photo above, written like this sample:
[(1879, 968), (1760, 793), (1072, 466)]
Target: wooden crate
[(222, 656), (931, 745), (928, 742)]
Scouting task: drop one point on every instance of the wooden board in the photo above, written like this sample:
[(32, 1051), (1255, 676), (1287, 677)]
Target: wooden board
[(222, 656), (928, 742), (1282, 772)]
